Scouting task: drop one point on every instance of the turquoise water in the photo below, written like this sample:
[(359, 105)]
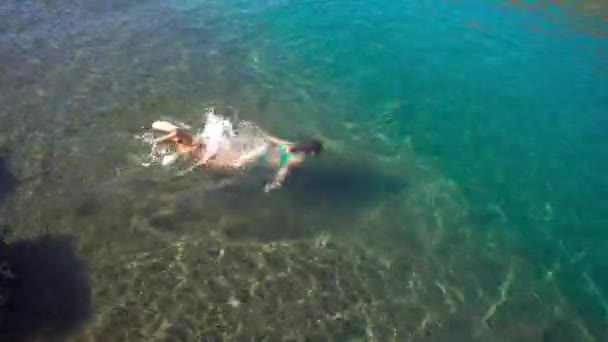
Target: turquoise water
[(461, 197)]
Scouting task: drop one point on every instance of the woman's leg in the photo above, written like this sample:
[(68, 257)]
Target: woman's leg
[(167, 138), (163, 126)]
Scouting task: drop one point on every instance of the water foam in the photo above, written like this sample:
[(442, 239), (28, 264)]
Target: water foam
[(218, 134)]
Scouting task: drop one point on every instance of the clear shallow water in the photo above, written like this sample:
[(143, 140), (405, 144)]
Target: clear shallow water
[(462, 195)]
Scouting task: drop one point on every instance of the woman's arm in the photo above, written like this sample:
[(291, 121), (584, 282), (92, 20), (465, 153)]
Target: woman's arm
[(278, 179), (281, 174)]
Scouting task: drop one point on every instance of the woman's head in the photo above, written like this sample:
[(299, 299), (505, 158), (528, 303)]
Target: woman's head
[(311, 147)]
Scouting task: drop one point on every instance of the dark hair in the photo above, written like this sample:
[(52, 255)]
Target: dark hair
[(311, 147)]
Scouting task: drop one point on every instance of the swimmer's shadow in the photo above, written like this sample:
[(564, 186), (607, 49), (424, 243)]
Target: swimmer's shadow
[(344, 185), (45, 290), (316, 196)]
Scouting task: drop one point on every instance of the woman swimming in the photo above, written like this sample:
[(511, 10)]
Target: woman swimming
[(215, 150)]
